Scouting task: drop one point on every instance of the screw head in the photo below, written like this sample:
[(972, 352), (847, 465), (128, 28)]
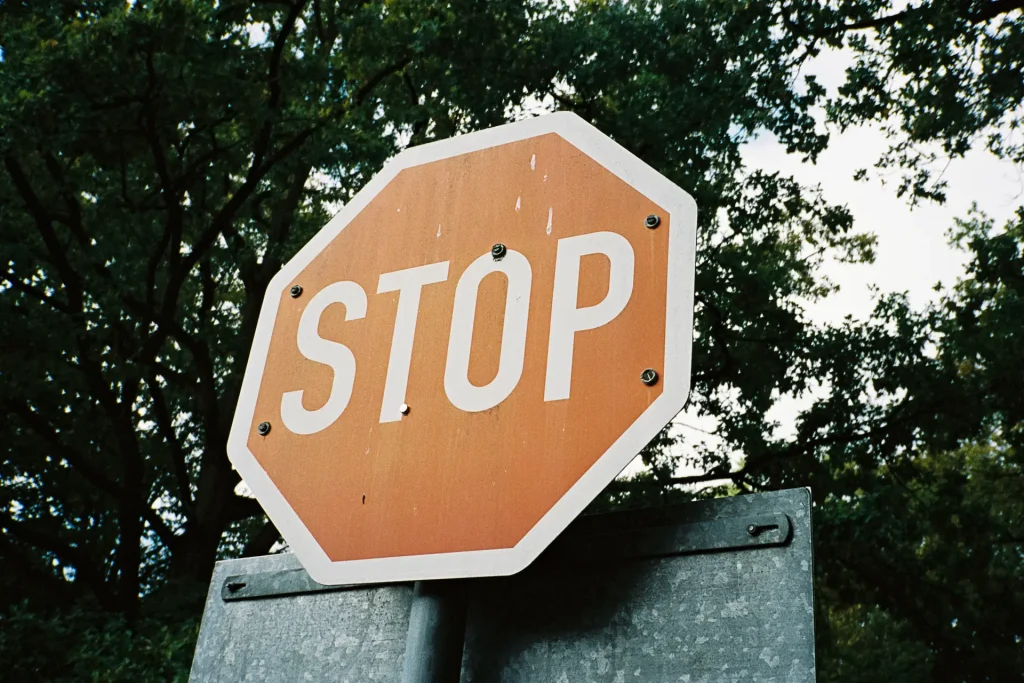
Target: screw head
[(752, 529), (263, 429), (404, 409), (649, 377), (296, 291), (498, 251), (652, 221)]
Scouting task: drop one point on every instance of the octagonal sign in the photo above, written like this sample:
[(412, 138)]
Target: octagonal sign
[(468, 353)]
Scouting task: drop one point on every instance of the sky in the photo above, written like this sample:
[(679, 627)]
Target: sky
[(913, 251)]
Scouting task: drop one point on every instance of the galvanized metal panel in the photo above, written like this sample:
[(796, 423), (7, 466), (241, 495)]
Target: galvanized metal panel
[(349, 636), (688, 593), (736, 615)]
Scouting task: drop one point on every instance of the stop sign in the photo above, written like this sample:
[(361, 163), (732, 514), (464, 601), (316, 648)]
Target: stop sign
[(468, 353)]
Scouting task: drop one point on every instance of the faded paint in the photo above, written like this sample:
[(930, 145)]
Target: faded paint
[(440, 479)]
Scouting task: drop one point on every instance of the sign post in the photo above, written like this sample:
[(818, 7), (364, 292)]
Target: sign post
[(437, 624), (446, 375)]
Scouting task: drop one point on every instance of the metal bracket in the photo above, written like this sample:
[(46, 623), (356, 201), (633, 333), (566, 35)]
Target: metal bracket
[(678, 539), (272, 584)]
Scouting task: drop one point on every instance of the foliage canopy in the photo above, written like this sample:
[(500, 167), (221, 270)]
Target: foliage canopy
[(163, 158)]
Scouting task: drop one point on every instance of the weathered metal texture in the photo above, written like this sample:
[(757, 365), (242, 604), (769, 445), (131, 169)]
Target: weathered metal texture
[(422, 484), (744, 615), (687, 593), (272, 584), (437, 625), (351, 635), (697, 537)]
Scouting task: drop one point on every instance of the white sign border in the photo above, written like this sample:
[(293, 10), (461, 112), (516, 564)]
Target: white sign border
[(675, 375)]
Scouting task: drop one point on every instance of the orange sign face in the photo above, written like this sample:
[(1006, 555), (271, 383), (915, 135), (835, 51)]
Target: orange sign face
[(454, 366)]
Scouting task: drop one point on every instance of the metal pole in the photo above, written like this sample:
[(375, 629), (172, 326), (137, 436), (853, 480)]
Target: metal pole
[(437, 626)]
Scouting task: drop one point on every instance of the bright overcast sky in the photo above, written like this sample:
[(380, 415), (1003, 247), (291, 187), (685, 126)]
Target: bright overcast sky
[(912, 254)]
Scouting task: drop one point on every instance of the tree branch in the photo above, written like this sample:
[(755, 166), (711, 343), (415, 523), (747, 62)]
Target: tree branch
[(262, 541), (44, 224), (243, 507), (16, 283), (989, 10), (69, 555), (166, 427), (222, 220), (173, 228), (74, 219), (712, 475), (94, 475)]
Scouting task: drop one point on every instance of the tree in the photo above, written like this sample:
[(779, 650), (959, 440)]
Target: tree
[(163, 158), (918, 544), (921, 575), (940, 76), (161, 161)]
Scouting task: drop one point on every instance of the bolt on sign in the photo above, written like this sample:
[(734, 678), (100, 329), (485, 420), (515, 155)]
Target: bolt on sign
[(468, 353)]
